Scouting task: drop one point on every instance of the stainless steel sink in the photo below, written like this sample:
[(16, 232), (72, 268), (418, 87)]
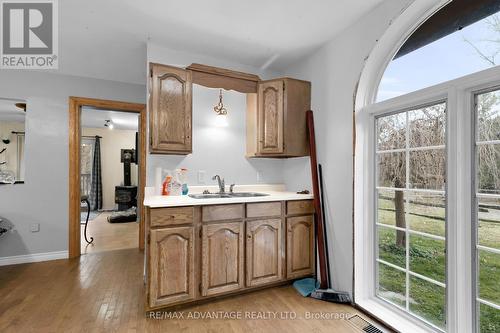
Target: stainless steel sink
[(247, 194), (227, 195), (209, 196)]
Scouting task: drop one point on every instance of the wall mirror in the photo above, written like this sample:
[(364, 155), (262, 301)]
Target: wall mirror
[(12, 133)]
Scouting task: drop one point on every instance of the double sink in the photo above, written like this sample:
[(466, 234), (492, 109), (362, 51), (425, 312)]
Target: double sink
[(223, 194), (227, 195)]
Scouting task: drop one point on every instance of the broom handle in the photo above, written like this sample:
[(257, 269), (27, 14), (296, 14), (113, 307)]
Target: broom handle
[(322, 191), (320, 228)]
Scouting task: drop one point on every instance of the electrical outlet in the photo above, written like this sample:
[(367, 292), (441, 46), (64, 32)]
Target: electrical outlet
[(35, 227), (201, 176)]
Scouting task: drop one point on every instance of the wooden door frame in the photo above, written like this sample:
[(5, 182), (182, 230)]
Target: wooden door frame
[(75, 107)]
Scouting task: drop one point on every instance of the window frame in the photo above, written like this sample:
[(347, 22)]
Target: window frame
[(460, 245), (474, 212), (406, 189)]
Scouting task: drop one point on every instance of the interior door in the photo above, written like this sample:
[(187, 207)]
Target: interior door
[(222, 258), (270, 117), (264, 251)]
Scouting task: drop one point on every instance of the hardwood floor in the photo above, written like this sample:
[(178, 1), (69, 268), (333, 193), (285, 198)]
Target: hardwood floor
[(103, 292), (109, 236)]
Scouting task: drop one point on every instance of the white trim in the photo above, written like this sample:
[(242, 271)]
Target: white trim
[(425, 278), (398, 319), (399, 30), (488, 196), (490, 304), (488, 249), (410, 149), (491, 142), (35, 257), (402, 189)]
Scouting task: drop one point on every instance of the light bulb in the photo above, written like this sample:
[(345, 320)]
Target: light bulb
[(221, 120)]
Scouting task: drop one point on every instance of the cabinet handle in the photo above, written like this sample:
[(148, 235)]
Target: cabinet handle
[(249, 236)]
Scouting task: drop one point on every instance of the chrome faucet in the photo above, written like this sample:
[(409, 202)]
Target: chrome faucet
[(222, 186)]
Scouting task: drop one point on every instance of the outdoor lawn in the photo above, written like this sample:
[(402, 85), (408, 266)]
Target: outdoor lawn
[(427, 258)]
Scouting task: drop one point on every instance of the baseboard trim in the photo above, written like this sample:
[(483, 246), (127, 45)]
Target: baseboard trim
[(36, 257)]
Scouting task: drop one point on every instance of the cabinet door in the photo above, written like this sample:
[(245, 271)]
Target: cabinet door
[(270, 117), (171, 276), (264, 252), (222, 258), (300, 246), (170, 110)]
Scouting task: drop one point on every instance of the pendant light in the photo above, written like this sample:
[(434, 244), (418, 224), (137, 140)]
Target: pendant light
[(220, 110)]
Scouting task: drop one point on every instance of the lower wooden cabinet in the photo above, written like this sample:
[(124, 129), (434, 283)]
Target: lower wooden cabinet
[(264, 252), (222, 258), (199, 252), (300, 246), (171, 252)]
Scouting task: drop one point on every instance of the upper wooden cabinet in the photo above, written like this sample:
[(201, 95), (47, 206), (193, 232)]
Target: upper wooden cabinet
[(276, 119), (170, 108)]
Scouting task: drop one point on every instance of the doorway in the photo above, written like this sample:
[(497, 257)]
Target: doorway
[(98, 151)]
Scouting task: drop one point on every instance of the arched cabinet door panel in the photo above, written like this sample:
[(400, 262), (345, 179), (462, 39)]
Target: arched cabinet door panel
[(264, 252), (170, 110), (276, 119), (299, 246), (222, 258), (172, 266), (270, 113)]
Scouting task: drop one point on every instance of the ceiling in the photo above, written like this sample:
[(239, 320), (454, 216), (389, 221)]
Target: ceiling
[(95, 118), (9, 112), (107, 39)]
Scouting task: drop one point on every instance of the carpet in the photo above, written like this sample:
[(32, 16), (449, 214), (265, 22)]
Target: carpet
[(83, 215)]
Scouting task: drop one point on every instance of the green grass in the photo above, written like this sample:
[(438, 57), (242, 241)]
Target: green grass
[(427, 258)]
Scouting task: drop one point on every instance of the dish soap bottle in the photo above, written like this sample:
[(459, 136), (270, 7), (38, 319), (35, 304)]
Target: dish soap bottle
[(183, 180), (166, 187), (176, 186)]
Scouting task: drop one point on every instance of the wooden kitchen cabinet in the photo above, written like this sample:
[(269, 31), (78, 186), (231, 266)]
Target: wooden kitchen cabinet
[(300, 246), (170, 110), (276, 119), (171, 276), (196, 253), (222, 258), (264, 252)]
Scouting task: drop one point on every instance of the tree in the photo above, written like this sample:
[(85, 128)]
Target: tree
[(424, 127), (488, 49)]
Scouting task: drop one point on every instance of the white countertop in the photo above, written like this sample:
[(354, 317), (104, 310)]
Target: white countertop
[(275, 193)]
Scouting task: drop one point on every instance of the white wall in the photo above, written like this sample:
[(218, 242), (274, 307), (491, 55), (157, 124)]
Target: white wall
[(43, 198), (112, 142), (334, 71), (215, 150)]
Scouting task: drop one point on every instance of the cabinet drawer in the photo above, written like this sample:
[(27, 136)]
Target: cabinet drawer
[(171, 216), (222, 212), (263, 209), (299, 207)]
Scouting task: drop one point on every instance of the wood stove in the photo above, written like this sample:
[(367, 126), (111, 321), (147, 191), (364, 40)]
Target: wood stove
[(126, 194)]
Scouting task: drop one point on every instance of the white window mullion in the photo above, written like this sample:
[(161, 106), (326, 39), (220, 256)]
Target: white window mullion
[(407, 208)]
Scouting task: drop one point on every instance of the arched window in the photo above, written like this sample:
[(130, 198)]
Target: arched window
[(427, 218), (433, 55)]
